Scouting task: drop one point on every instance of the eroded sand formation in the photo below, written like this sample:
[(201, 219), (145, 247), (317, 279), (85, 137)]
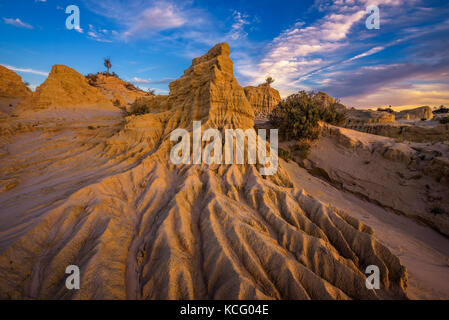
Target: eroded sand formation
[(12, 91), (141, 228), (11, 85), (368, 117), (410, 179), (262, 98), (121, 93), (412, 125), (63, 89), (415, 114)]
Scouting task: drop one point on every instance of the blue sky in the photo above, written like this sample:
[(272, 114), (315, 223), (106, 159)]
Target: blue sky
[(317, 44)]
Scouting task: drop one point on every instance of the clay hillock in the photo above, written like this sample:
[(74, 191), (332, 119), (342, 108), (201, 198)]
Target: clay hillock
[(12, 91), (368, 117), (65, 88), (11, 85), (262, 98), (120, 92), (415, 114)]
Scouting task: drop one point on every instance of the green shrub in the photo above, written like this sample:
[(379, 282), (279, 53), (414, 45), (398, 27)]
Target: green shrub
[(298, 115), (131, 87), (389, 110), (444, 120), (139, 106), (304, 150), (285, 154), (139, 109), (92, 79), (442, 109), (436, 210), (116, 102)]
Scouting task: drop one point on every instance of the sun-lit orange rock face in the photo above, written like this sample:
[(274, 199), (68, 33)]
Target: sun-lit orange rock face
[(11, 85), (140, 227), (416, 114), (262, 98), (65, 87), (120, 92), (208, 91)]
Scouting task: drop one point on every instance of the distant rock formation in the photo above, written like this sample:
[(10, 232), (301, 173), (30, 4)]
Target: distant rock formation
[(384, 123), (367, 117), (415, 114), (65, 87), (262, 98), (120, 92), (326, 101), (11, 85), (404, 131)]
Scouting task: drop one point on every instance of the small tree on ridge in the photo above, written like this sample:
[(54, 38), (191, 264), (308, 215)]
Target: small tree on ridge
[(269, 80), (107, 63)]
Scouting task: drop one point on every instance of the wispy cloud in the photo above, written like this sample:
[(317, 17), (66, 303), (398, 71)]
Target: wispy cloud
[(425, 60), (100, 35), (414, 95), (305, 49), (367, 53), (161, 16), (238, 27), (370, 79), (17, 23), (145, 18), (149, 81), (295, 51), (26, 70)]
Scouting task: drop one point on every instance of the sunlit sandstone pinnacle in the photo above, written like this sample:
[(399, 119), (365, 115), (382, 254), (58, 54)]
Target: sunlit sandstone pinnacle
[(154, 230), (209, 90), (65, 87), (262, 98), (11, 85)]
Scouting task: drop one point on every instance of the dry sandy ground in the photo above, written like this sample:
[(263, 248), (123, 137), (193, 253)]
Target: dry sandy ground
[(45, 158), (422, 250), (409, 178)]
